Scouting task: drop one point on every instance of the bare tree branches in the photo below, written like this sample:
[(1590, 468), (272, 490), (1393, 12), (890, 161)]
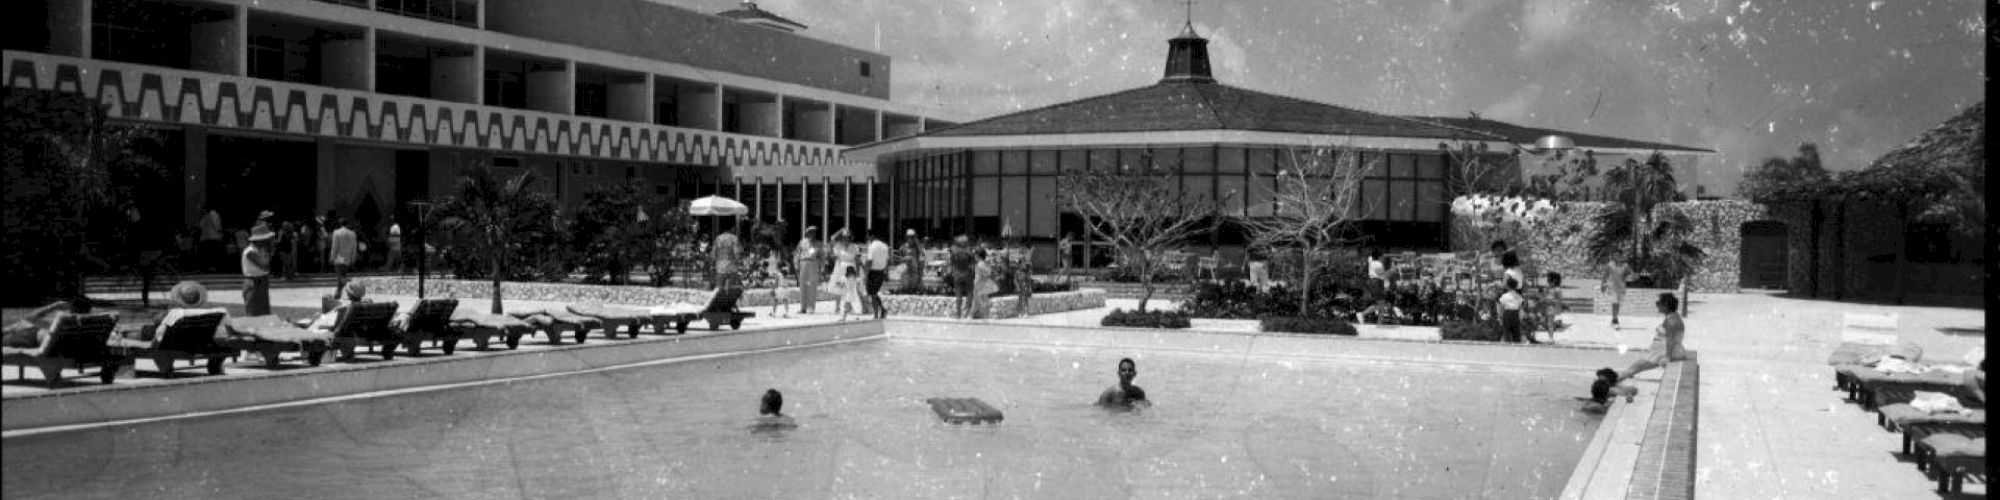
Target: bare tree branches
[(1140, 209), (1314, 206)]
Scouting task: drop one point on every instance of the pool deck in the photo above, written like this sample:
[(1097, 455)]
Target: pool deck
[(1770, 424)]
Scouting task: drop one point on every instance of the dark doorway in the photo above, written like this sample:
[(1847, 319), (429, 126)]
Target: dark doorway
[(247, 175), (1764, 255), (413, 181)]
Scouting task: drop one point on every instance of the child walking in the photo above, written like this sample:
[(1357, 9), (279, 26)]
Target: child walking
[(850, 292)]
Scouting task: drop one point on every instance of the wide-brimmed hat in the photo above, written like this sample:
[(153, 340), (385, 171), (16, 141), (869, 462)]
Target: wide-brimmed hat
[(354, 291), (911, 232), (265, 215), (189, 293), (262, 233)]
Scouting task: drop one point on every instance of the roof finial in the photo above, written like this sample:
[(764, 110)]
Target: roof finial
[(1189, 6)]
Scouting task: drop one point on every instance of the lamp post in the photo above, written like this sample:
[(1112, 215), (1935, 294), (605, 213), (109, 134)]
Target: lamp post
[(423, 208)]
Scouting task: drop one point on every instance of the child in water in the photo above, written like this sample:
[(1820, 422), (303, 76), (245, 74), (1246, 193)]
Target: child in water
[(1606, 386)]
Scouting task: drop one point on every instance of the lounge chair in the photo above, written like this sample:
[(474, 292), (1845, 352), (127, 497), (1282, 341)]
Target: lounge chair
[(190, 337), (367, 323), (720, 309), (77, 341), (1875, 389), (431, 320), (269, 336), (1952, 457), (556, 320), (1916, 423), (482, 327), (615, 318)]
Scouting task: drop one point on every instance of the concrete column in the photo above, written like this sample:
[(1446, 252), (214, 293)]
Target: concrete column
[(349, 64), (69, 28), (459, 78), (553, 90), (194, 173), (631, 100), (870, 210), (219, 46), (875, 129), (825, 207)]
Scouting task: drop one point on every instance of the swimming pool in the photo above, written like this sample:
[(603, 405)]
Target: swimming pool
[(1223, 425)]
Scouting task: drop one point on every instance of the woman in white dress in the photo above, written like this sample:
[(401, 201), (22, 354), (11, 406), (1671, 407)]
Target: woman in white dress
[(844, 255)]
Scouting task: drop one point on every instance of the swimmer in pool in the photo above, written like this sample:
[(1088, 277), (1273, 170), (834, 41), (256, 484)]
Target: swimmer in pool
[(1125, 395), (771, 416)]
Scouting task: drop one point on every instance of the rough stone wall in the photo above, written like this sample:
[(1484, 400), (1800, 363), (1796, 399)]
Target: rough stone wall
[(1718, 232), (1554, 244), (1798, 242)]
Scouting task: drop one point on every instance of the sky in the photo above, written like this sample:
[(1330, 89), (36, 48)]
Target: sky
[(1748, 78)]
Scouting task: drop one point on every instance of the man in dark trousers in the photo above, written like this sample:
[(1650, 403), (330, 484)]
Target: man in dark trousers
[(878, 272), (257, 272)]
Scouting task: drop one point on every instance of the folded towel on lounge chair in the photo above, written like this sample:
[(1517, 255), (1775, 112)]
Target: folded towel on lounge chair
[(1852, 353), (602, 311), (1937, 402), (463, 318), (272, 329)]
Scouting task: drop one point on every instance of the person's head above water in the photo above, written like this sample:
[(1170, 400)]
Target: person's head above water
[(1668, 303), (773, 404), (1126, 370)]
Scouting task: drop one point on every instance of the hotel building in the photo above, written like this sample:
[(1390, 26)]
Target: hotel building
[(1226, 142), (361, 106)]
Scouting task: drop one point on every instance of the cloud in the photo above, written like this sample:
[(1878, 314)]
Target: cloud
[(1548, 22), (1518, 106)]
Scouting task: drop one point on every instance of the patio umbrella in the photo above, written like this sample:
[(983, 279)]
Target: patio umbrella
[(716, 206)]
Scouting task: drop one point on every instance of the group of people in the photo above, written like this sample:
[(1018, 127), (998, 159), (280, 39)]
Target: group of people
[(853, 272)]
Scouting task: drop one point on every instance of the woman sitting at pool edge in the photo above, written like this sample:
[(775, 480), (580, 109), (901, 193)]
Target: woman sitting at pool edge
[(1124, 395), (1666, 340)]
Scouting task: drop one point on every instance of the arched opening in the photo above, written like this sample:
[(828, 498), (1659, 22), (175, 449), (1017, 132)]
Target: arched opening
[(1764, 255)]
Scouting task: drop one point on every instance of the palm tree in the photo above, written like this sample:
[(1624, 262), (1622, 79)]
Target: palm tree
[(496, 215), (1670, 251), (1640, 187)]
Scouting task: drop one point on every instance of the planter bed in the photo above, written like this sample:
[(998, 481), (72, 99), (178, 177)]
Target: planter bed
[(567, 293), (930, 306)]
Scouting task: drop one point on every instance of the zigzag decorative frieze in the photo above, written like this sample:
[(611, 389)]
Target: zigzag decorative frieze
[(148, 93)]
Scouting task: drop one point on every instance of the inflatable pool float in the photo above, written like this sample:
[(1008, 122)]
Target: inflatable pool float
[(965, 411)]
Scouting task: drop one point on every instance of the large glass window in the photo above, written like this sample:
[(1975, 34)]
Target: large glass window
[(1014, 203), (1043, 162), (1103, 159), (986, 162), (1229, 161), (1198, 160), (1043, 211), (1014, 162), (1375, 192), (985, 197), (1402, 200), (1236, 193), (1168, 159), (1261, 162), (1430, 201), (1074, 159)]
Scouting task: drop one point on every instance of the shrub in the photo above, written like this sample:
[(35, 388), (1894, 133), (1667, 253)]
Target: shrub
[(1146, 319), (1295, 324), (1470, 330)]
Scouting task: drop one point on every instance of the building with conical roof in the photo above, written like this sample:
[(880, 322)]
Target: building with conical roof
[(1225, 141)]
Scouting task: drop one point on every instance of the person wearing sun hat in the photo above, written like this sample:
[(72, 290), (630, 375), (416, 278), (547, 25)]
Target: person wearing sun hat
[(350, 294), (257, 271), (188, 298)]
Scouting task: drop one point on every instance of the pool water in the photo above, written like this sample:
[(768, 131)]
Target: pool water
[(1221, 425)]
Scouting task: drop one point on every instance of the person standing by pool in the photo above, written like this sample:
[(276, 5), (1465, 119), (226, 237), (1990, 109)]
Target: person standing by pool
[(1613, 283), (725, 255), (1063, 247), (963, 262), (1124, 395), (983, 283), (257, 273), (878, 272), (775, 272), (808, 256), (344, 246), (1260, 270), (913, 262), (1511, 302), (1667, 339), (1378, 269)]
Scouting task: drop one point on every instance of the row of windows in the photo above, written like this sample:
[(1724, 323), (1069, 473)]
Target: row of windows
[(1401, 187), (1192, 160)]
